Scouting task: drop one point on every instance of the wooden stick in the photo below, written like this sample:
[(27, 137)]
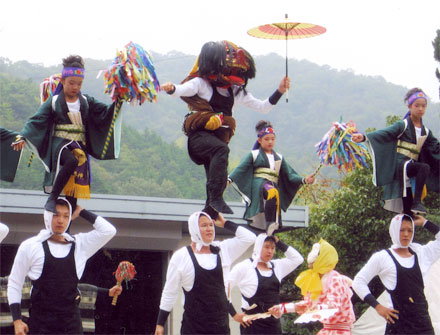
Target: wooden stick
[(115, 298)]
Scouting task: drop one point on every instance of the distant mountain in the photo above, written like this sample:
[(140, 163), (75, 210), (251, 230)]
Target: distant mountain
[(319, 95)]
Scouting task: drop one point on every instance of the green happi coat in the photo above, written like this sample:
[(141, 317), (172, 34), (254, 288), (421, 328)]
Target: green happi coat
[(249, 186), (390, 159), (96, 117), (9, 157)]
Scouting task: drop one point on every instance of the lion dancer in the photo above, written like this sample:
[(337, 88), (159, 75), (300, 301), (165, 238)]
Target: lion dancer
[(218, 81)]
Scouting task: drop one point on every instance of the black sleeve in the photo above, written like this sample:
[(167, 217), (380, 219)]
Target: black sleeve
[(102, 291), (232, 310), (162, 317), (371, 300), (15, 311), (89, 216), (229, 225), (275, 97), (282, 246), (432, 227)]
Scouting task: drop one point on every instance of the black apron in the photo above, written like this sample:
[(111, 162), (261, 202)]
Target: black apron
[(266, 296), (409, 299), (54, 305), (206, 305)]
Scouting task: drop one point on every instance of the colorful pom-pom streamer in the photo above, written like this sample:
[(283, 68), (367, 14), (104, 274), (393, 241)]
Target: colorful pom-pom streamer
[(48, 86), (131, 77), (125, 271), (337, 148)]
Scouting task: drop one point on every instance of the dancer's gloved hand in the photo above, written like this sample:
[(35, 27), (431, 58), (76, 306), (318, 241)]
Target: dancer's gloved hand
[(214, 122)]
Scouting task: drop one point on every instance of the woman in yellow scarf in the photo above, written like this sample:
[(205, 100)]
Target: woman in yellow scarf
[(323, 288)]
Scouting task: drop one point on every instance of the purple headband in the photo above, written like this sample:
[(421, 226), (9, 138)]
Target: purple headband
[(265, 131), (261, 133), (72, 72), (415, 96)]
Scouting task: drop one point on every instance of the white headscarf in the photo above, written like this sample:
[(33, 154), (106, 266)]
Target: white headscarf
[(45, 234), (314, 253), (258, 246), (395, 225), (194, 230)]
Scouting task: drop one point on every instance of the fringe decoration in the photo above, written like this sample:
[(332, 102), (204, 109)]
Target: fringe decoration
[(74, 190)]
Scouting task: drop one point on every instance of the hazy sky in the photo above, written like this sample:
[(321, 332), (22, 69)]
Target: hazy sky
[(389, 38)]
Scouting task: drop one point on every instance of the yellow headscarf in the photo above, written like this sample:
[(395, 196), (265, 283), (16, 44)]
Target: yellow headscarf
[(309, 280)]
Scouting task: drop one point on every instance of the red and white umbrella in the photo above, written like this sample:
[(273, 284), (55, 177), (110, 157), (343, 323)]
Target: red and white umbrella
[(287, 31)]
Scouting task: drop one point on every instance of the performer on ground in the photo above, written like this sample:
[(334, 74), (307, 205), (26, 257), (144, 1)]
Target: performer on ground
[(402, 269), (55, 260), (323, 288), (259, 279), (201, 269)]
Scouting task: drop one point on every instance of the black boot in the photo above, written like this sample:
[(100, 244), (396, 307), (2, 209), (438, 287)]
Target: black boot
[(417, 208), (50, 205), (220, 206), (72, 202), (215, 200), (211, 212)]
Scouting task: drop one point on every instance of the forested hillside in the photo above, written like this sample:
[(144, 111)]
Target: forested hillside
[(153, 158)]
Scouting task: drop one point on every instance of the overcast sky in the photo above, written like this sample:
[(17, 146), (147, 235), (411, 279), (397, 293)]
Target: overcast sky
[(389, 38)]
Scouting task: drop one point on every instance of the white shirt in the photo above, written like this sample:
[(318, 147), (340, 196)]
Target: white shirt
[(382, 265), (271, 159), (4, 230), (181, 273), (204, 90), (29, 259), (245, 277), (418, 132), (74, 113)]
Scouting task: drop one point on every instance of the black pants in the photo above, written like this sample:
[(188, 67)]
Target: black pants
[(68, 163), (270, 208), (207, 149), (420, 171)]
